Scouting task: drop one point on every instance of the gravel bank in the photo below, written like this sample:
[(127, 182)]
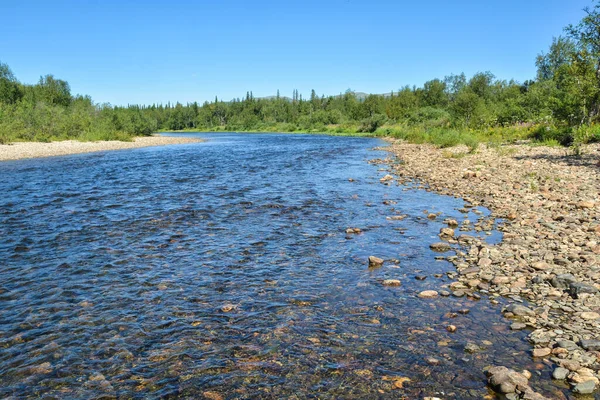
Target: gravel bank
[(21, 150), (548, 264)]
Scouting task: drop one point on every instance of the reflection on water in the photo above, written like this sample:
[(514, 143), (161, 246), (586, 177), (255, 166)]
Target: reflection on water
[(224, 269)]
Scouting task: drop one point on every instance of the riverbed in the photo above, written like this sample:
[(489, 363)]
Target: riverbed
[(225, 269)]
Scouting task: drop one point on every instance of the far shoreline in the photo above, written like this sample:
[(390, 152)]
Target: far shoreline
[(29, 150)]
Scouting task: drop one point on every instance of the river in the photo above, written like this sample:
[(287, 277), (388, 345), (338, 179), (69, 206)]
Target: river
[(223, 269)]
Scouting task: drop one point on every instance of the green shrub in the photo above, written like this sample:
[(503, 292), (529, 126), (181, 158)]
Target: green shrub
[(371, 124), (548, 133)]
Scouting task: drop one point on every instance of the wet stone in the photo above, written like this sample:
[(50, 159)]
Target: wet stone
[(560, 373), (586, 387), (375, 262), (472, 348), (440, 246), (543, 352), (428, 294), (517, 326)]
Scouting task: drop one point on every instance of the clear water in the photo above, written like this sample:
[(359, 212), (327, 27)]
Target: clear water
[(224, 268)]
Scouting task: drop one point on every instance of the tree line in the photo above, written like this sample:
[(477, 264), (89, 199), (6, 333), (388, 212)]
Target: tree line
[(561, 104)]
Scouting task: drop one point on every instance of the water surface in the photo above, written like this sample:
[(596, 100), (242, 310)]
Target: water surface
[(224, 268)]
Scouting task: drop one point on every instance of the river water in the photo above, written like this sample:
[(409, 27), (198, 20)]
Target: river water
[(222, 269)]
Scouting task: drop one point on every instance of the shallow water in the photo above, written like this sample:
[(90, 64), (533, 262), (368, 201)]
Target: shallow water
[(224, 268)]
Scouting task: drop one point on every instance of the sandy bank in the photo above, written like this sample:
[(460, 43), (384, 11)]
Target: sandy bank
[(549, 259), (22, 150)]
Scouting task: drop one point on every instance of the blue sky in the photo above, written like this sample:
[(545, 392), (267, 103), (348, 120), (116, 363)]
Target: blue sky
[(157, 51)]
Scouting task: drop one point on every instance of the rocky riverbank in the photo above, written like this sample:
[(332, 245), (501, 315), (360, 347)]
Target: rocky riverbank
[(548, 263), (22, 150)]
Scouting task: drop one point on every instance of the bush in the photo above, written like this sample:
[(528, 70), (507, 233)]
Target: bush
[(587, 134), (548, 133), (430, 117), (371, 124)]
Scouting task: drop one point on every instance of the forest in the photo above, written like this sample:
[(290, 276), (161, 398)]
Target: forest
[(559, 106)]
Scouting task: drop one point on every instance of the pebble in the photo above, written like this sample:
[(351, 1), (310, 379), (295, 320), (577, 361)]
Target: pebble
[(392, 282), (375, 262), (543, 352), (517, 326), (586, 387), (428, 294), (440, 246), (560, 373), (589, 315)]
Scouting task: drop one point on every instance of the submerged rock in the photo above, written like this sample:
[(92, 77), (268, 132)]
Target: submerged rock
[(586, 387), (375, 262), (560, 373), (440, 246)]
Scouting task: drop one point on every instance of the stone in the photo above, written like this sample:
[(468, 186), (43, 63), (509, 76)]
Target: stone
[(583, 375), (468, 174), (570, 365), (586, 387), (519, 310), (386, 178), (469, 271), (506, 380), (446, 233), (392, 282), (227, 307), (589, 315), (560, 373), (590, 344), (375, 262), (543, 352), (451, 328), (440, 246), (576, 289), (586, 204), (484, 262), (210, 395), (562, 281), (398, 383), (432, 361), (472, 348), (452, 223), (567, 344), (500, 280), (428, 294), (517, 326), (541, 266)]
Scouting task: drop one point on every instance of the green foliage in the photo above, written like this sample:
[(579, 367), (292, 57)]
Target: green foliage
[(553, 134), (371, 123)]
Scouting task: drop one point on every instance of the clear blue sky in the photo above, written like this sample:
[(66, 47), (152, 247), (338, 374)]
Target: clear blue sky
[(157, 51)]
